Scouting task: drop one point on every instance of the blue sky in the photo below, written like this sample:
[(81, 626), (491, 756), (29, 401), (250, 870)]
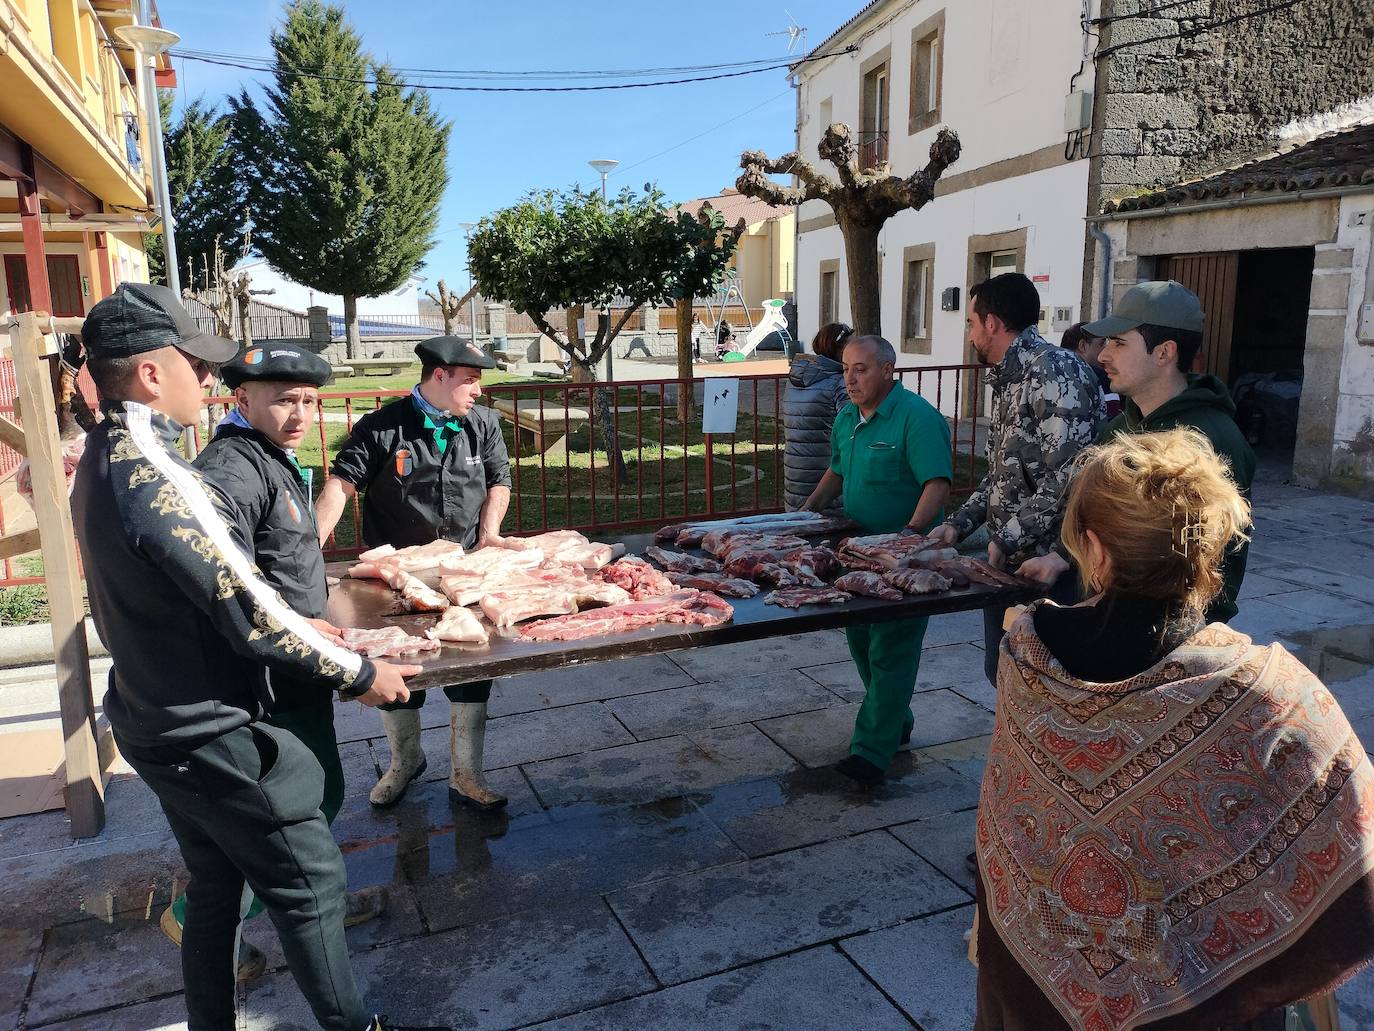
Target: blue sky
[(503, 145)]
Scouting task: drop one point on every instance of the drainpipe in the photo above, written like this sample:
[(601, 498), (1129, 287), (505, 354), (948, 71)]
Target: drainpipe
[(1105, 285)]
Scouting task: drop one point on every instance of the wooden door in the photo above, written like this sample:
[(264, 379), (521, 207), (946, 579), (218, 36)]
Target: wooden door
[(1212, 277), (64, 282)]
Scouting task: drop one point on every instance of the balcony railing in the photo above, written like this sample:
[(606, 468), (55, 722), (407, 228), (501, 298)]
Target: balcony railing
[(872, 149)]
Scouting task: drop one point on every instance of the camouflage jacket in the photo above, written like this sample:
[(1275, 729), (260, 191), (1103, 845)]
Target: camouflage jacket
[(195, 633), (1046, 407)]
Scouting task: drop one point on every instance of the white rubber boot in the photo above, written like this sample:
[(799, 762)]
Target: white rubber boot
[(466, 740), (407, 758)]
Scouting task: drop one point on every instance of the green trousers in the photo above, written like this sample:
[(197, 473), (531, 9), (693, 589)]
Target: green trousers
[(313, 725), (888, 656), (477, 691)]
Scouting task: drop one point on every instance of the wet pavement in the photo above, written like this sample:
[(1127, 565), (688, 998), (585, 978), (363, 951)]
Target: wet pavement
[(675, 853)]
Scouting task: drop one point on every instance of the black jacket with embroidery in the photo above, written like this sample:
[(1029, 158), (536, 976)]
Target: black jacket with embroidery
[(186, 615)]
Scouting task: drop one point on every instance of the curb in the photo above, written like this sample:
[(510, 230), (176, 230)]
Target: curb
[(31, 644)]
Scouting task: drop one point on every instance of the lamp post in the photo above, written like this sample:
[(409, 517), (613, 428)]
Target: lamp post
[(604, 167), (148, 41), (467, 228)]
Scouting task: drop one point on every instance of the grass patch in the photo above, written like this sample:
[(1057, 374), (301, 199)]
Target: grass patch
[(27, 603)]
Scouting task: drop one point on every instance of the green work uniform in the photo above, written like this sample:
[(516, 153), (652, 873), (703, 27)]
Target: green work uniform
[(886, 461)]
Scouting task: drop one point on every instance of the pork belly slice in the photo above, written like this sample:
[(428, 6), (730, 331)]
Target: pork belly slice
[(796, 597), (460, 625)]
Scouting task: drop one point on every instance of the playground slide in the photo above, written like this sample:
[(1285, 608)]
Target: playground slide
[(772, 322)]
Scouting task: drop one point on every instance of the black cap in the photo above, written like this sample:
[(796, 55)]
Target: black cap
[(452, 351), (278, 364), (140, 317)]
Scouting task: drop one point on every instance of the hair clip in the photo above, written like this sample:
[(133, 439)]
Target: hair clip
[(1187, 532)]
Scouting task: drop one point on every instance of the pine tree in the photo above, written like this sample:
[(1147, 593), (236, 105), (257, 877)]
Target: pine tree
[(346, 167), (205, 182)]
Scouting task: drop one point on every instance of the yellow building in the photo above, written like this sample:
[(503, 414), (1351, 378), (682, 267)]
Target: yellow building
[(75, 173), (765, 260)]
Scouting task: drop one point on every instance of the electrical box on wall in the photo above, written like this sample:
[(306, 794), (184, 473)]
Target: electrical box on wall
[(1365, 332), (1078, 111), (1063, 318), (949, 299), (1042, 324)]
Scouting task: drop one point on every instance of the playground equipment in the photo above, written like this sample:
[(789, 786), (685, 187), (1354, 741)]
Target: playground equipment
[(772, 321), (729, 288)]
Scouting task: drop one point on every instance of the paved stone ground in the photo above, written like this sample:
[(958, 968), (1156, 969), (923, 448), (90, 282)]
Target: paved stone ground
[(675, 854)]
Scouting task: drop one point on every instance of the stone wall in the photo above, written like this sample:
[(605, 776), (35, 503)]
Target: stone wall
[(1174, 109)]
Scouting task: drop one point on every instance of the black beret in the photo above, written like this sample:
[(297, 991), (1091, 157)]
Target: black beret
[(277, 363), (453, 351)]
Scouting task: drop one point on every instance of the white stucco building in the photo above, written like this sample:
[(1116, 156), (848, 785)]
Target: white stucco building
[(998, 73)]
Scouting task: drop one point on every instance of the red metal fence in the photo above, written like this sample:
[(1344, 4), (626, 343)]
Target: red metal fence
[(563, 476)]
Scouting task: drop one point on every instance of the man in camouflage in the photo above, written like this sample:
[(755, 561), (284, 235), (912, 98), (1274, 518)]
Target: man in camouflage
[(1046, 407)]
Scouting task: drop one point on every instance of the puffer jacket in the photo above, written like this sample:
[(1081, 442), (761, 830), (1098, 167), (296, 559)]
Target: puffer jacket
[(1046, 407), (815, 394)]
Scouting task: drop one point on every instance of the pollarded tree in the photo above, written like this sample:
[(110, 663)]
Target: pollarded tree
[(862, 199), (345, 166), (564, 250)]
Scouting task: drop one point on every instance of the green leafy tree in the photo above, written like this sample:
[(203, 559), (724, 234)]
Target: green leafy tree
[(571, 249), (346, 166), (863, 199), (206, 184)]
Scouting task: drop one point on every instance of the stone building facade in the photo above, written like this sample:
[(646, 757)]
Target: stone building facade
[(1175, 108), (1240, 160)]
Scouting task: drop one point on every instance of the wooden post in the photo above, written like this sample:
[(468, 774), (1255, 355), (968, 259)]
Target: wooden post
[(33, 349), (31, 224)]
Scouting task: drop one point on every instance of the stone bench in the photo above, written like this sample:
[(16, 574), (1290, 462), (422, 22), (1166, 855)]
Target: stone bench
[(543, 434), (341, 372), (390, 366), (551, 433)]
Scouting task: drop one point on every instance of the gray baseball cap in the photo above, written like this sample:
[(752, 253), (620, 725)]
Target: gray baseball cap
[(1167, 304), (140, 317)]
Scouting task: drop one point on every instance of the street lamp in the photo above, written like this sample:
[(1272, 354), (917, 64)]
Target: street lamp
[(148, 41), (604, 167)]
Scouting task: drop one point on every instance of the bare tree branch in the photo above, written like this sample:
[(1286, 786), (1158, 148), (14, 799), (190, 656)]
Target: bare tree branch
[(837, 147)]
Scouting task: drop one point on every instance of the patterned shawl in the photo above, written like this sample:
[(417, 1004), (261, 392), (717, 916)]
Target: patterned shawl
[(1143, 844)]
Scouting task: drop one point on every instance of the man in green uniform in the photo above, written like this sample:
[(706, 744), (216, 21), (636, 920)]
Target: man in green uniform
[(252, 463), (1153, 336), (433, 465), (890, 461)]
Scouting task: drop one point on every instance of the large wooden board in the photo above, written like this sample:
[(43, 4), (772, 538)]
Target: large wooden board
[(369, 603)]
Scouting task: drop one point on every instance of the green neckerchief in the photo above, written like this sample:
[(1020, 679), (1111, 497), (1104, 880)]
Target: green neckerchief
[(443, 431)]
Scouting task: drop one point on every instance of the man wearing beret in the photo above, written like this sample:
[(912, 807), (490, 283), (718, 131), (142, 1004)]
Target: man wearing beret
[(252, 462), (433, 465), (190, 625)]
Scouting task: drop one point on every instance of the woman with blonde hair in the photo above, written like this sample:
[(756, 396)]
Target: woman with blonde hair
[(1176, 827)]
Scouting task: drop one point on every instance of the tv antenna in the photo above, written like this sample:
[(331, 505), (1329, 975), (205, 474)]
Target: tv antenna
[(795, 33)]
